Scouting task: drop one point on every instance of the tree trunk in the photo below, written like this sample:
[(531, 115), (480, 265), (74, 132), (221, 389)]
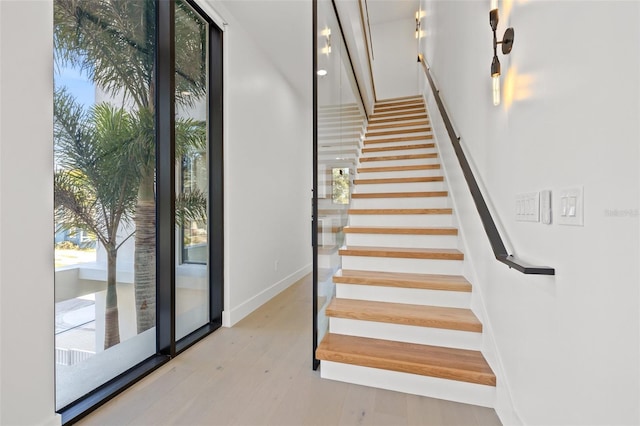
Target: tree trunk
[(111, 325), (145, 255)]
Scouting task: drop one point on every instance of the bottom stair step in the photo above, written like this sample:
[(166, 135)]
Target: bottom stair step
[(446, 363)]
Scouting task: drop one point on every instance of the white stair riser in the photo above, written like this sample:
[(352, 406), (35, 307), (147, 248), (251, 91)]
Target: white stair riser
[(414, 296), (410, 151), (398, 115), (401, 203), (402, 162), (451, 390), (340, 114), (332, 155), (418, 130), (328, 261), (413, 266), (400, 174), (407, 333), (385, 141), (330, 162), (404, 118), (340, 107), (409, 241), (397, 147), (387, 109), (368, 188), (423, 220), (333, 144), (342, 128), (336, 123)]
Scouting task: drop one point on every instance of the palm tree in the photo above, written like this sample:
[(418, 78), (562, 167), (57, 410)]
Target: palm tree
[(113, 41), (95, 181)]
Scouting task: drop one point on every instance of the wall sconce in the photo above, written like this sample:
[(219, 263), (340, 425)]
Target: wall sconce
[(507, 44), (419, 15), (326, 33)]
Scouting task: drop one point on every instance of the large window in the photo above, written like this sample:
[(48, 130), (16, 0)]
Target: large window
[(192, 277), (137, 142)]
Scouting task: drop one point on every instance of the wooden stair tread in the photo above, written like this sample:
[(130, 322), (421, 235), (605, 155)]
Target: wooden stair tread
[(327, 250), (399, 180), (420, 116), (398, 139), (426, 194), (397, 103), (397, 113), (396, 125), (401, 230), (406, 314), (398, 108), (401, 211), (399, 147), (398, 168), (409, 102), (398, 157), (402, 252), (398, 98), (446, 363), (421, 129), (403, 280)]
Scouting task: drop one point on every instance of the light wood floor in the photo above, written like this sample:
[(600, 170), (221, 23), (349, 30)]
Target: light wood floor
[(259, 373)]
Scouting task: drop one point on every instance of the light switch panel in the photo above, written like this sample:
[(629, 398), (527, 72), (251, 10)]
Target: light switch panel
[(528, 207), (571, 206)]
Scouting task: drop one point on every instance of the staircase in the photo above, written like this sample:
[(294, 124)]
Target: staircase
[(401, 317)]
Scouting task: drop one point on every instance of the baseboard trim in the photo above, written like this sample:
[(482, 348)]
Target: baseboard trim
[(231, 317)]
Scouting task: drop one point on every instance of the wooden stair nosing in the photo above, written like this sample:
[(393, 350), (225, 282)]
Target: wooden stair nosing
[(399, 230), (399, 98), (398, 168), (398, 139), (398, 131), (399, 108), (399, 180), (418, 194), (399, 147), (402, 252), (383, 104), (446, 363), (397, 114), (422, 116), (398, 157), (396, 125), (455, 283), (400, 211), (458, 319)]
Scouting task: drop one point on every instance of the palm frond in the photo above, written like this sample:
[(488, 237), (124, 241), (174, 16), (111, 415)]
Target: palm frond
[(191, 207)]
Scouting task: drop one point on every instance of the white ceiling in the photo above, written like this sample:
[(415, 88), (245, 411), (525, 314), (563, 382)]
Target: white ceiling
[(282, 29), (381, 11)]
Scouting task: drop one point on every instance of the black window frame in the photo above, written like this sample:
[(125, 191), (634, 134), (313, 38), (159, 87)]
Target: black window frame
[(166, 345)]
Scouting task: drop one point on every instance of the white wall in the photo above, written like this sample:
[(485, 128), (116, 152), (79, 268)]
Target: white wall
[(394, 63), (26, 214), (268, 153), (569, 344)]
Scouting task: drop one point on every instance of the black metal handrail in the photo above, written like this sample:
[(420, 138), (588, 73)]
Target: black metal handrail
[(490, 228)]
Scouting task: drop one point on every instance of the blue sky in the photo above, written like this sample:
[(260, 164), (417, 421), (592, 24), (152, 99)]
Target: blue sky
[(77, 83)]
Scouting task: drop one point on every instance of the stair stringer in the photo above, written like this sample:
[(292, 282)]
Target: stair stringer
[(462, 201)]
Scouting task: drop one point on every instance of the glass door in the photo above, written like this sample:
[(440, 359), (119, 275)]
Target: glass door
[(340, 120)]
